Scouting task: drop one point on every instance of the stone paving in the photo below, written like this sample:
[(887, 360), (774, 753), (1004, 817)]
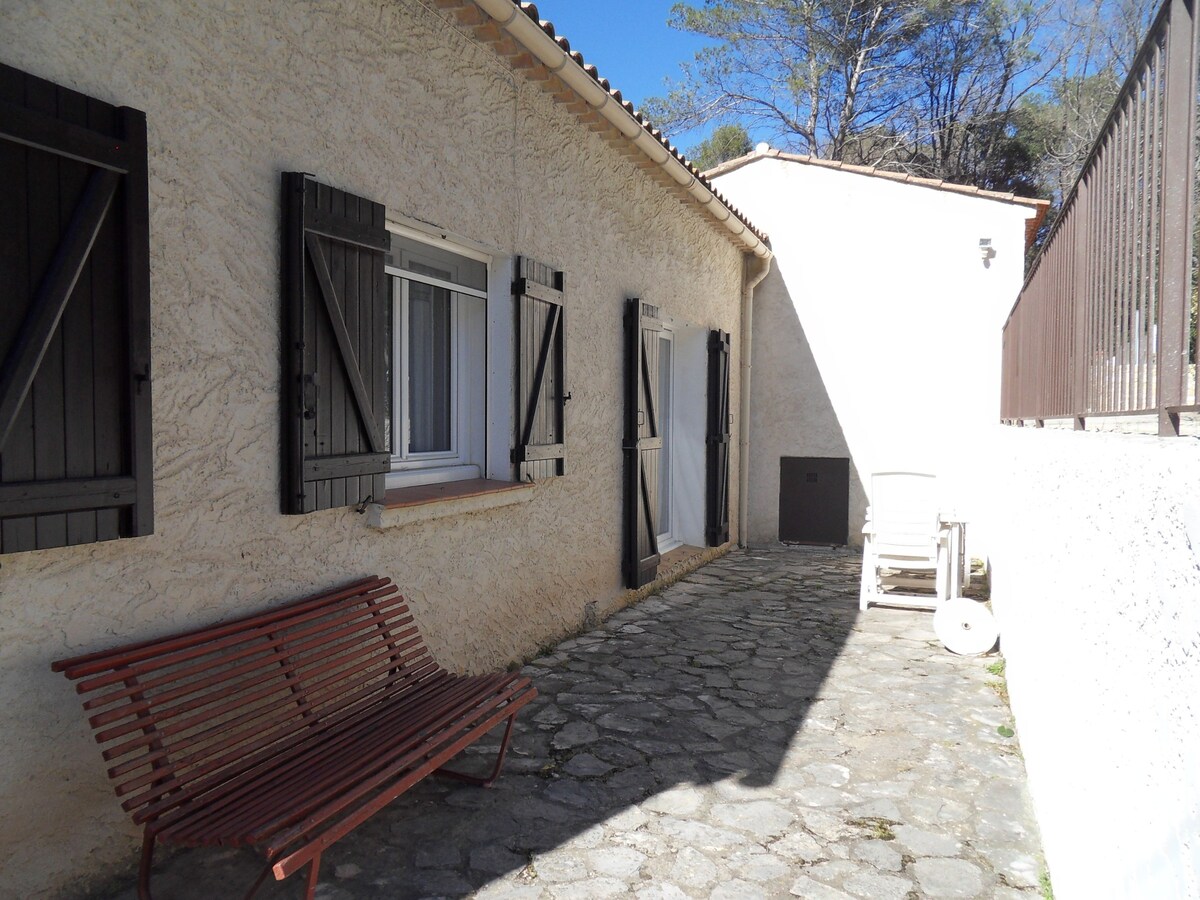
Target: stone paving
[(747, 733)]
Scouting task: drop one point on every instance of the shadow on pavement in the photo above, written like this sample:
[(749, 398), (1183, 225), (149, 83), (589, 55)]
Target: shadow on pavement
[(706, 684)]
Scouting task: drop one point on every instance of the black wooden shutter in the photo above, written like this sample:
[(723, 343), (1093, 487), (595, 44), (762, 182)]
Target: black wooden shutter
[(337, 326), (643, 442), (540, 447), (716, 507), (75, 438)]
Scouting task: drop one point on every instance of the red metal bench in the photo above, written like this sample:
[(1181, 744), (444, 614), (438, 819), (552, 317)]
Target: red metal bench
[(284, 730)]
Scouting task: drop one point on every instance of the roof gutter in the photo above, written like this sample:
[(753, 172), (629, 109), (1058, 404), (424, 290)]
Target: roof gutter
[(545, 49)]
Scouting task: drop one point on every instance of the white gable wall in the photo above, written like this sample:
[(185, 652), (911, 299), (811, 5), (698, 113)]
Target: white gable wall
[(877, 333)]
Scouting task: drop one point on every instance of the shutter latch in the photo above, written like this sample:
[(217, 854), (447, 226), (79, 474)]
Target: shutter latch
[(142, 377)]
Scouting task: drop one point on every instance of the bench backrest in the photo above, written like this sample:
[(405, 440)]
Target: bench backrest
[(185, 713)]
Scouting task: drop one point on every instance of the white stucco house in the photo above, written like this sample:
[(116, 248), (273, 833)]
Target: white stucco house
[(876, 335)]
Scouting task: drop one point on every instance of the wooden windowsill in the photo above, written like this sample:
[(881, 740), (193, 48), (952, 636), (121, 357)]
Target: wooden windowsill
[(422, 503), (450, 490)]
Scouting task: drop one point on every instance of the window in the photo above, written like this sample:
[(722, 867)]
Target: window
[(437, 430), (398, 370)]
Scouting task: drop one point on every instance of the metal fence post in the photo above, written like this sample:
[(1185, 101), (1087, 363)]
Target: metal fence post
[(1176, 252)]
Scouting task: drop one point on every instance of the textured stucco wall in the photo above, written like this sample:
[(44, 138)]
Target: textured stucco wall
[(1096, 585), (394, 102), (877, 333)]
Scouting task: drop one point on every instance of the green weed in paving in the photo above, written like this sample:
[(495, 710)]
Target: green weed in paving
[(1001, 686), (1044, 884), (876, 826)]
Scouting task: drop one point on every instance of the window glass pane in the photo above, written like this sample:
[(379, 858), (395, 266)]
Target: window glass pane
[(426, 259), (664, 431), (428, 368)]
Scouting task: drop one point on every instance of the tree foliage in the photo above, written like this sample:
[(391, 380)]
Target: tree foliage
[(1059, 124), (726, 143), (819, 71), (1003, 94), (973, 63)]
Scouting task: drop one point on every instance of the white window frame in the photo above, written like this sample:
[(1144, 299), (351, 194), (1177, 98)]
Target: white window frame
[(667, 539), (469, 388)]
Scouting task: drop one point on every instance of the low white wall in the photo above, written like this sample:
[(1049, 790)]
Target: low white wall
[(1096, 583)]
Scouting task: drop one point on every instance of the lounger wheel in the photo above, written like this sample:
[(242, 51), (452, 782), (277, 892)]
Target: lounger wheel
[(967, 627)]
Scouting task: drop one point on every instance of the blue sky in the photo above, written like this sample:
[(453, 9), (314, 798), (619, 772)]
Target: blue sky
[(631, 45)]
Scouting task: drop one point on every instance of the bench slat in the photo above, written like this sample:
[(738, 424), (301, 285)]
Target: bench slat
[(387, 793), (309, 662), (222, 775), (287, 792), (328, 779), (229, 744), (321, 691), (396, 606), (410, 655), (272, 661), (91, 663), (313, 846), (256, 676), (148, 661), (351, 789)]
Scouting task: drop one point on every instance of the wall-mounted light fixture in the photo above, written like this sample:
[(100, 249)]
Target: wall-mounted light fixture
[(986, 250)]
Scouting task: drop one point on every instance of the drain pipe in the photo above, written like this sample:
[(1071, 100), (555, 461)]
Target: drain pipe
[(756, 270)]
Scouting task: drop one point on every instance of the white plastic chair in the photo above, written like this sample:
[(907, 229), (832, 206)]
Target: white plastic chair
[(906, 547)]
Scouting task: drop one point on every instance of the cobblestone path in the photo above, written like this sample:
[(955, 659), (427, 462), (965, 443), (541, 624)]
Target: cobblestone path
[(747, 733)]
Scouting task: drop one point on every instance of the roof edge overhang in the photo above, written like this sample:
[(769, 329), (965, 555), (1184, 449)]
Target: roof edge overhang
[(1037, 208), (519, 21)]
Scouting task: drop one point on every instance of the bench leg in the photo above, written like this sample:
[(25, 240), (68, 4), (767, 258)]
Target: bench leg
[(486, 780), (314, 867), (144, 866), (270, 868)]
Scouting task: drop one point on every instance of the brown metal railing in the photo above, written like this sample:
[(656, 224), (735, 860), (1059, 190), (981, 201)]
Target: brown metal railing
[(1105, 322)]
